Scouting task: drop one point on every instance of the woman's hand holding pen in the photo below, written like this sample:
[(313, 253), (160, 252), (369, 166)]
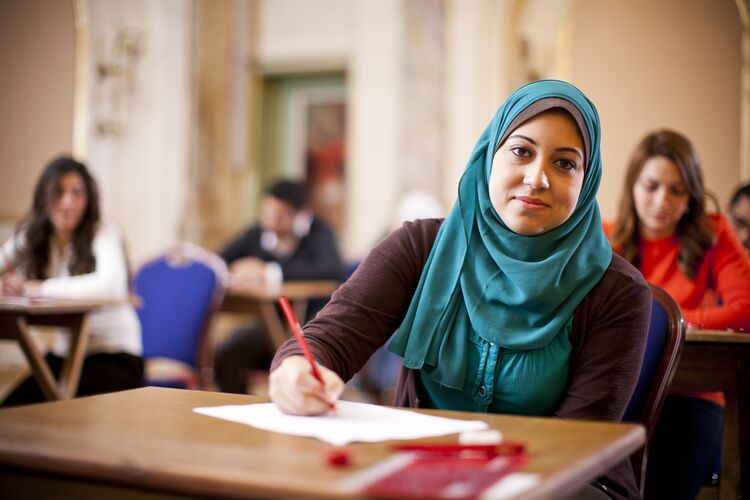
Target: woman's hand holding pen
[(295, 390)]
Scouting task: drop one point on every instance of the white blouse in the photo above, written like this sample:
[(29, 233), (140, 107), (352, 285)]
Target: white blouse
[(112, 329)]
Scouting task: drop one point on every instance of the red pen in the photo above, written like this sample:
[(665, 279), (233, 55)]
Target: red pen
[(297, 331)]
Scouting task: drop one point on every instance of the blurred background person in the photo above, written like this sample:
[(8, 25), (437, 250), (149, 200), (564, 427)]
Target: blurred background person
[(288, 243), (663, 229), (62, 250), (739, 213)]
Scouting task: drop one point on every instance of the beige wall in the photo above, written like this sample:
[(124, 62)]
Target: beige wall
[(678, 67), (37, 54)]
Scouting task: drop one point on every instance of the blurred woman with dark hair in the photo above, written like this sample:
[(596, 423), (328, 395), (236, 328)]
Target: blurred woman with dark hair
[(62, 250), (664, 230)]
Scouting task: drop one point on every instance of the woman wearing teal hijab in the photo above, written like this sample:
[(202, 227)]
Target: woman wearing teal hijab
[(512, 304)]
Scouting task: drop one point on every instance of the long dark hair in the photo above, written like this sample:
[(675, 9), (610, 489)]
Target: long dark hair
[(37, 230), (694, 231)]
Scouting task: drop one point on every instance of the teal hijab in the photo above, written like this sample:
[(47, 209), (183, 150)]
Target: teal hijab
[(516, 291)]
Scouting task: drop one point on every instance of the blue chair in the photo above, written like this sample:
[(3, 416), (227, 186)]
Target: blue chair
[(179, 292), (666, 336)]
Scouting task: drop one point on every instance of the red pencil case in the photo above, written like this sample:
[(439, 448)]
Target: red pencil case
[(448, 471)]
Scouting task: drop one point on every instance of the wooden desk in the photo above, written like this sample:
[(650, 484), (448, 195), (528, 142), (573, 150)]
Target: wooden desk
[(262, 301), (17, 313), (147, 443), (715, 360)]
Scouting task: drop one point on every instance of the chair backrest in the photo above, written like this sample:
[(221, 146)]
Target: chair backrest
[(666, 336), (180, 290)]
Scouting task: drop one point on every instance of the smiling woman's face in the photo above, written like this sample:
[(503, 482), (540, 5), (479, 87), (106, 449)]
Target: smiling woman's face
[(537, 174)]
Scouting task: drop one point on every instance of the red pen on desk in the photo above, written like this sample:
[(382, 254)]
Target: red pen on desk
[(297, 331)]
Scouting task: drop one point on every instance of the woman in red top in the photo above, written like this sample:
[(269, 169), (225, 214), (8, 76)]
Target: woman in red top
[(663, 229)]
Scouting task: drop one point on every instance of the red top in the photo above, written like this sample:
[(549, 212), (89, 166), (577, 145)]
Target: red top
[(719, 296)]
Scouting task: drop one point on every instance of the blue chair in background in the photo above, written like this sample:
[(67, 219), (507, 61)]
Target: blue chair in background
[(666, 336), (179, 293)]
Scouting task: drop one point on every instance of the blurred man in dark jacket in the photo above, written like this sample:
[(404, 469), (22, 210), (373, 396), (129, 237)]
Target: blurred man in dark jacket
[(288, 243)]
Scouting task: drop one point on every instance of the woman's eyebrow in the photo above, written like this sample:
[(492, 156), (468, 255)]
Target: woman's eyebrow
[(571, 150), (675, 184), (576, 151), (519, 136)]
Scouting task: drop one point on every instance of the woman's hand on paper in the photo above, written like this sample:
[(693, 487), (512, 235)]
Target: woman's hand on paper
[(11, 284), (295, 390)]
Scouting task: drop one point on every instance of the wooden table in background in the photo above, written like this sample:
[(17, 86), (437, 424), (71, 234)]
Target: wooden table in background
[(17, 313), (262, 301), (717, 360), (148, 443)]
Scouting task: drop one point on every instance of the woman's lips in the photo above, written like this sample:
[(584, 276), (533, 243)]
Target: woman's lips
[(660, 216), (530, 202)]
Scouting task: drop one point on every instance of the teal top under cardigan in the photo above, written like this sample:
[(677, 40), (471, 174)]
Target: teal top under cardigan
[(492, 388), (515, 292)]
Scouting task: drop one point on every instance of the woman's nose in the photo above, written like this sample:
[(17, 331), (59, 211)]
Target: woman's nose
[(535, 176), (66, 199), (662, 197)]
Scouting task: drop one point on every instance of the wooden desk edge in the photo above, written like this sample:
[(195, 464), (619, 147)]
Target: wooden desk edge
[(292, 290), (115, 475), (39, 307), (562, 484), (135, 476), (717, 336)]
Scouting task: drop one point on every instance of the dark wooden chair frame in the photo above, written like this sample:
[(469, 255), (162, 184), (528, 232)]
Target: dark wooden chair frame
[(662, 379)]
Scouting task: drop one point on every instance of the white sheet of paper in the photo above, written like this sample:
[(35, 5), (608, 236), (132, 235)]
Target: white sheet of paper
[(351, 422)]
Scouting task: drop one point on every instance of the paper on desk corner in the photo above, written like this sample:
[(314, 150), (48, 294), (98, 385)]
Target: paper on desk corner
[(352, 422)]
